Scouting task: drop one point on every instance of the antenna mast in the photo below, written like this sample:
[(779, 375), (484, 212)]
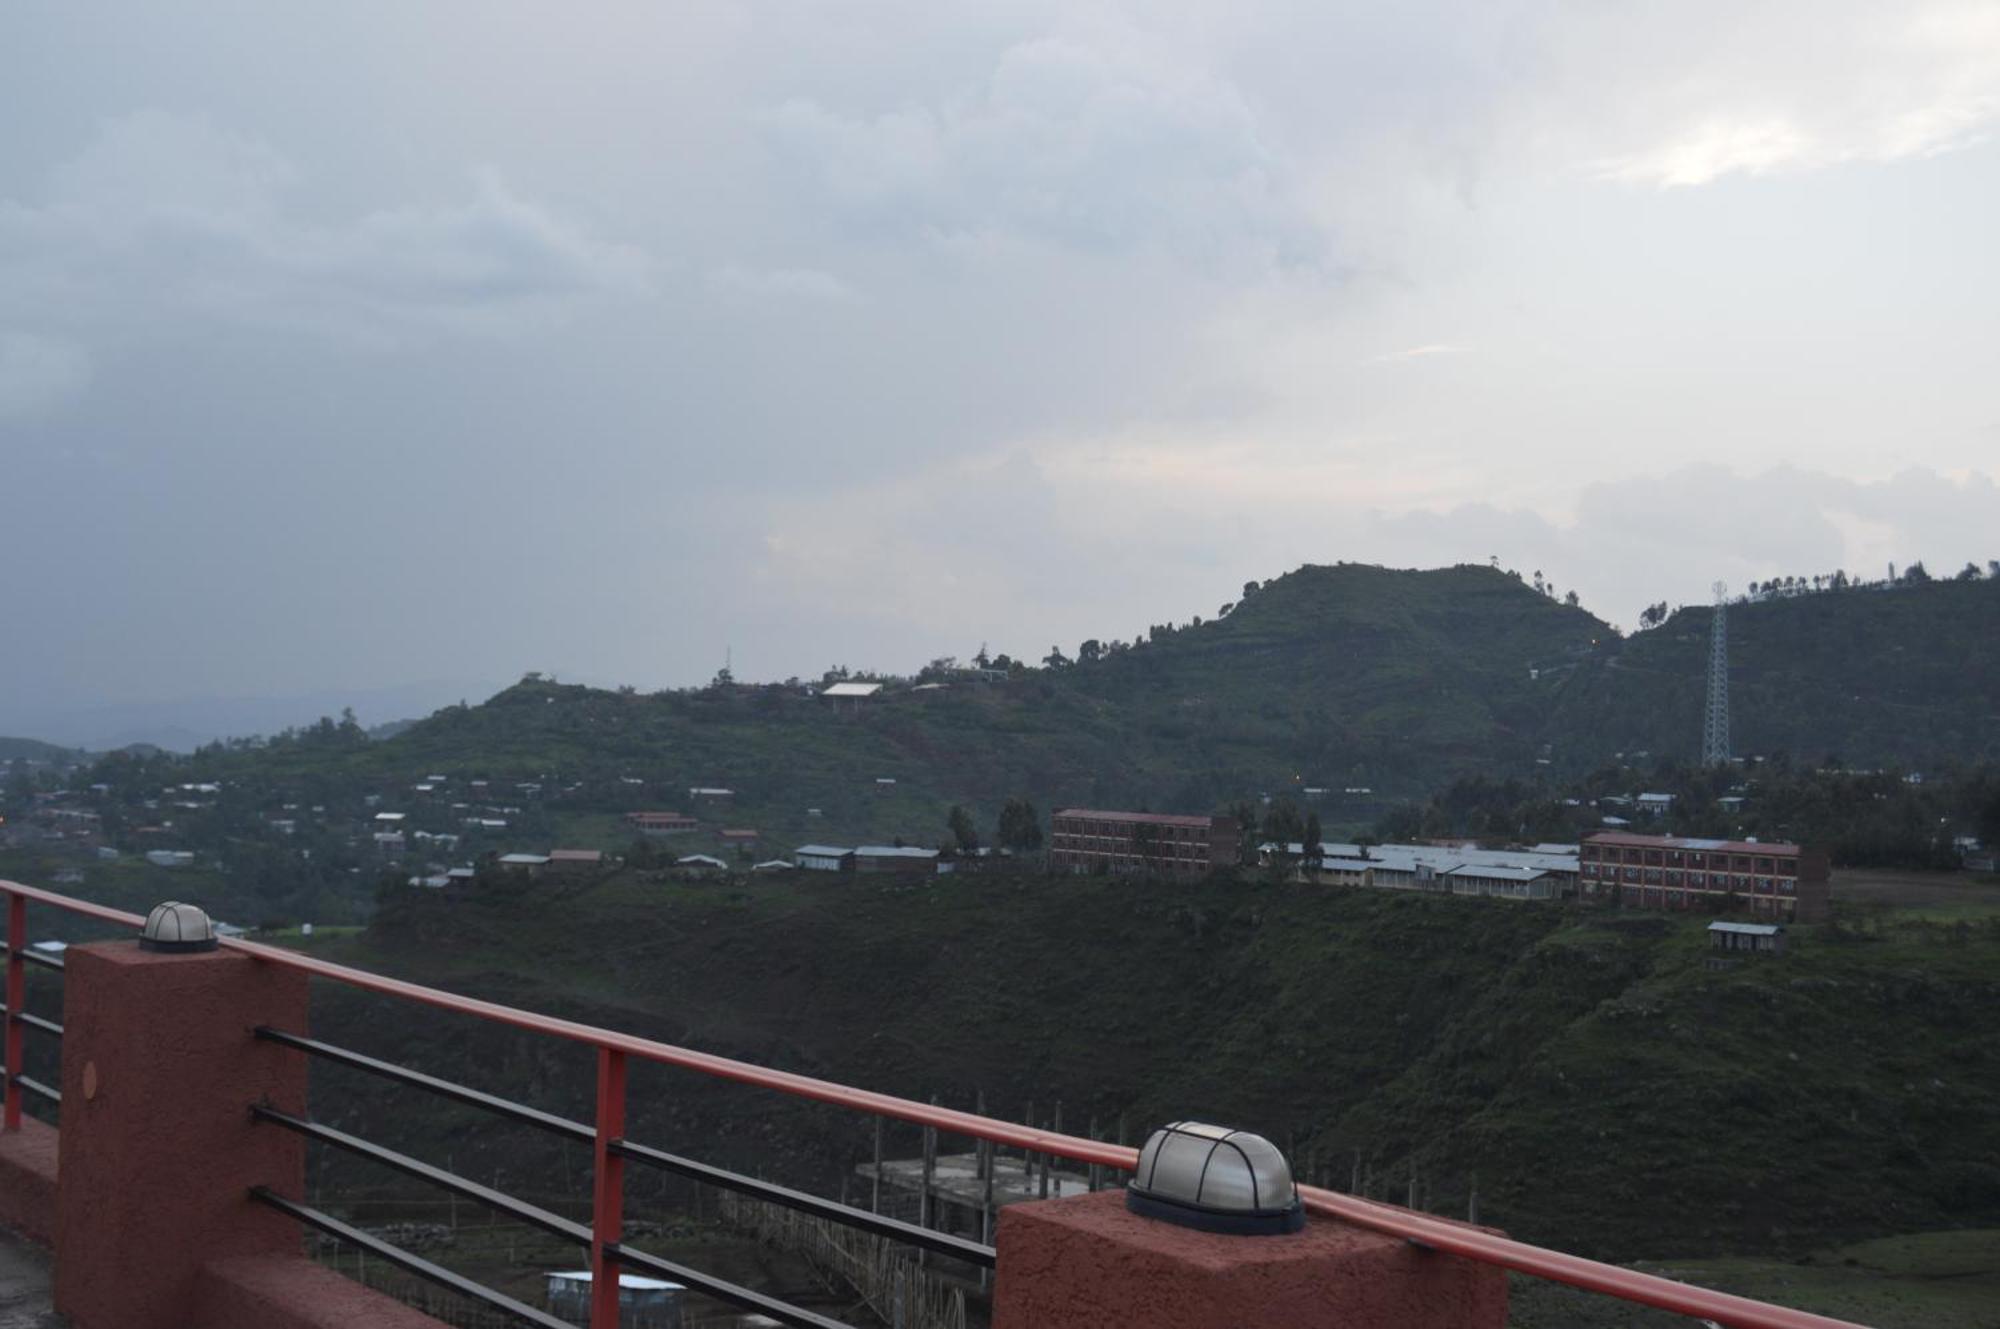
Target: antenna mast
[(1715, 725)]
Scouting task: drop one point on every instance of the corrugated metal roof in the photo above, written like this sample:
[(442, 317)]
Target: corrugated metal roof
[(1495, 873), (1348, 855), (851, 690), (892, 851), (820, 851), (1633, 840), (1747, 929)]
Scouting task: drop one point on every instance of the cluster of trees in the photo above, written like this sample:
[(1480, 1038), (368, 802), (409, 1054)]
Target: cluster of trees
[(1838, 580), (1281, 823), (1778, 588), (1019, 829)]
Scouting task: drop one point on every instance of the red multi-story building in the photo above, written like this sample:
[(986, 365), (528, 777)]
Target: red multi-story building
[(1770, 879), (1085, 840), (661, 823)]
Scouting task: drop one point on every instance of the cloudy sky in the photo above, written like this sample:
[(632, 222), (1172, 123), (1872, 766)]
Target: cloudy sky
[(389, 344)]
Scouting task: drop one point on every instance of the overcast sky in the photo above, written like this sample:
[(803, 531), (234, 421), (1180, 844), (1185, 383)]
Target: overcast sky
[(398, 343)]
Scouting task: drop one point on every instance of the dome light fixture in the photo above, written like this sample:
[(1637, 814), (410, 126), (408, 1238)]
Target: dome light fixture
[(1216, 1180), (177, 927)]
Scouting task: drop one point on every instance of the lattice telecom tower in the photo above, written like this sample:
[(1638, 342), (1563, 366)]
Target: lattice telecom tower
[(1715, 725)]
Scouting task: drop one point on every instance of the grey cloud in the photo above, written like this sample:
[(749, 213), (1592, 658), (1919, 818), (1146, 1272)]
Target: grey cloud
[(176, 217), (1098, 139), (781, 283), (38, 373)]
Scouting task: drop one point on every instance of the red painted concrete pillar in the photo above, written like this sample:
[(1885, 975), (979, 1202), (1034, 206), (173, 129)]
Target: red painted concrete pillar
[(1085, 1261), (158, 1150)]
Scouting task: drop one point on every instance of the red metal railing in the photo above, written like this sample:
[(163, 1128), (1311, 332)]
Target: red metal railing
[(614, 1049)]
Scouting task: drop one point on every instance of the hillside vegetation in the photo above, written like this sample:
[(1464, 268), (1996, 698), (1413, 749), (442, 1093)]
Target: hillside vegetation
[(1908, 675), (1612, 1095)]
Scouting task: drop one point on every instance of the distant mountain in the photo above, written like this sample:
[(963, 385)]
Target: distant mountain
[(34, 749), (185, 724)]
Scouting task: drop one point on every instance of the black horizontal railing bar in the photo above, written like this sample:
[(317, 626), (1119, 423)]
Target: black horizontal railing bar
[(944, 1243), (42, 958), (403, 1259), (506, 1107), (437, 1176), (721, 1289), (33, 1086)]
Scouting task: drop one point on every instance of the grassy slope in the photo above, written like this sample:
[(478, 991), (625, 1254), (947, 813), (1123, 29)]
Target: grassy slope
[(1932, 1280), (1613, 1096)]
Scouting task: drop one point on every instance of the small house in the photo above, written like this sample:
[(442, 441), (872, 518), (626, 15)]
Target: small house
[(1747, 938), (823, 858), (850, 694), (877, 858)]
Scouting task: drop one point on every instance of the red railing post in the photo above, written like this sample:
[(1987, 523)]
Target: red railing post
[(17, 997), (607, 1211)]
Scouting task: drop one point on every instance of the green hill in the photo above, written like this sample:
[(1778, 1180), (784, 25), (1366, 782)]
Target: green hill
[(1343, 678)]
